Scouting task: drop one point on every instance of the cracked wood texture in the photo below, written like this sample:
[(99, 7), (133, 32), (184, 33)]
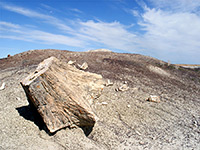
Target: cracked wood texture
[(62, 94)]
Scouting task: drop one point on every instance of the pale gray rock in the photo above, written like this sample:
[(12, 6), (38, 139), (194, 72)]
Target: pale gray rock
[(71, 62), (3, 86), (154, 98), (108, 83), (84, 66), (104, 103), (122, 88)]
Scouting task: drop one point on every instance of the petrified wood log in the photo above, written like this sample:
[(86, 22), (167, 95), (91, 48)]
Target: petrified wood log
[(62, 94)]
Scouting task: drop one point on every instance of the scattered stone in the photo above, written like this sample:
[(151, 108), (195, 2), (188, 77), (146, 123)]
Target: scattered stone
[(154, 98), (142, 143), (138, 133), (109, 83), (122, 88), (125, 82), (71, 62), (84, 66), (104, 103), (128, 106), (2, 86), (60, 93)]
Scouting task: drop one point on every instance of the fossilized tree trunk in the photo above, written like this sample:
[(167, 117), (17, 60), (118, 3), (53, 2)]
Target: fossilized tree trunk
[(62, 94)]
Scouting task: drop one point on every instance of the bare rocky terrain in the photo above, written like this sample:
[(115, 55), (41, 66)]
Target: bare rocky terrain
[(126, 119)]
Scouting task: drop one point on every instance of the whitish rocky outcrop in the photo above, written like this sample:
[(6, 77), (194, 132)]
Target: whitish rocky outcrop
[(62, 94)]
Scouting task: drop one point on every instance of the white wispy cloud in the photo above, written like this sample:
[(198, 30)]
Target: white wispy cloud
[(177, 5), (33, 14), (50, 38), (172, 34), (17, 32), (8, 24), (49, 8), (135, 13), (14, 37), (76, 10), (25, 12), (113, 35)]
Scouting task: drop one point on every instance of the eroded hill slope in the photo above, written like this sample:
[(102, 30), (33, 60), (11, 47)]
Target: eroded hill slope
[(126, 119)]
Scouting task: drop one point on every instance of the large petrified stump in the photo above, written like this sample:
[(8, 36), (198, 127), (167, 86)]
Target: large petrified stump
[(62, 94)]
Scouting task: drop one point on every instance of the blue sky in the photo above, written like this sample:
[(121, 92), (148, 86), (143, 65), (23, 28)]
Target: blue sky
[(164, 29)]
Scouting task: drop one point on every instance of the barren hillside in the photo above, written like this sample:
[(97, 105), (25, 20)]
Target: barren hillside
[(126, 119)]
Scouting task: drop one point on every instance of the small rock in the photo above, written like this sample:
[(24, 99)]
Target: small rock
[(104, 103), (154, 98), (71, 62), (83, 66), (122, 88), (128, 106), (142, 143), (3, 86), (109, 83), (138, 133)]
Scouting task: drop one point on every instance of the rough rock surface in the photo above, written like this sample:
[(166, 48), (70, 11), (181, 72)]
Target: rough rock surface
[(61, 94), (128, 121), (154, 98)]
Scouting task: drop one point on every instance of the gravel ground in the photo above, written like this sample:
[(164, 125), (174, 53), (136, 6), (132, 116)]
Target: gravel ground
[(126, 119)]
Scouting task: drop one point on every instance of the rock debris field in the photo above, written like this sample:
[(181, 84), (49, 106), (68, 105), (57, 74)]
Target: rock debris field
[(145, 104)]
